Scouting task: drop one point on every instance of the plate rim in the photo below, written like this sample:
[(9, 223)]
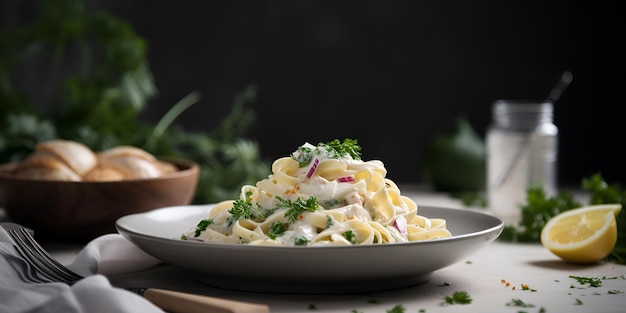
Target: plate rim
[(122, 229)]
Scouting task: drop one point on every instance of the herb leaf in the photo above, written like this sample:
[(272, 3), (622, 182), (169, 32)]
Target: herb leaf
[(350, 236), (458, 297), (276, 229), (592, 281), (244, 210), (202, 226), (304, 156), (297, 207), (519, 303), (396, 309), (338, 149), (538, 209)]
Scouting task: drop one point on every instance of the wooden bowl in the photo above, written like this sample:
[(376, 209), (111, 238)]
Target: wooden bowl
[(81, 211)]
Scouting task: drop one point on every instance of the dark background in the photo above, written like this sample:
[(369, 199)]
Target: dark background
[(392, 74)]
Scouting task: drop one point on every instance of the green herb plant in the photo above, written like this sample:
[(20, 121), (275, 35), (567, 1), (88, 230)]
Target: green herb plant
[(92, 82), (461, 150)]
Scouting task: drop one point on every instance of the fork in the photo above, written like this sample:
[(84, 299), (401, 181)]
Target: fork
[(44, 268)]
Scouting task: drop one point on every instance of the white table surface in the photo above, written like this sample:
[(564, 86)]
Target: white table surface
[(485, 276)]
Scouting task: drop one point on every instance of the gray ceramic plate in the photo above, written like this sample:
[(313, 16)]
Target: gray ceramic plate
[(308, 270)]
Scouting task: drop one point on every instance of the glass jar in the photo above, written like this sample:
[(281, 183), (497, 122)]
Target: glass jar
[(522, 151)]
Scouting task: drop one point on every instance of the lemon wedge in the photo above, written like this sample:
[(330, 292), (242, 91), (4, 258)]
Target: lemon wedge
[(582, 235)]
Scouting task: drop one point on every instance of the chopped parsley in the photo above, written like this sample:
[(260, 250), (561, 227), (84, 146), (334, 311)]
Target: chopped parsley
[(396, 309), (592, 281), (248, 196), (297, 207), (276, 230), (329, 221), (458, 297), (335, 149), (202, 226), (301, 241), (350, 236), (520, 303), (330, 203), (244, 210), (304, 156)]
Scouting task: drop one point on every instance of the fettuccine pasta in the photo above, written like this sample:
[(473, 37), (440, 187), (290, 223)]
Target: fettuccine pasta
[(320, 195)]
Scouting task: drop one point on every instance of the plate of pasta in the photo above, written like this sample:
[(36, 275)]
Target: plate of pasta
[(324, 221)]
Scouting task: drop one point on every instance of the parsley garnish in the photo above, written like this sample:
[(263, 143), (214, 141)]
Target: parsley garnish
[(297, 207), (329, 221), (248, 196), (244, 210), (202, 226), (350, 236), (305, 155), (276, 230), (330, 203), (337, 149), (301, 241), (458, 297)]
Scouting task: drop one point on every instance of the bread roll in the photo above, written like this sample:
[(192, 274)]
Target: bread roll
[(45, 167), (72, 161), (126, 151), (131, 167), (75, 155), (104, 173)]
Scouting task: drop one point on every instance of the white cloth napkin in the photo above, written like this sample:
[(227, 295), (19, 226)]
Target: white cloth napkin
[(108, 254)]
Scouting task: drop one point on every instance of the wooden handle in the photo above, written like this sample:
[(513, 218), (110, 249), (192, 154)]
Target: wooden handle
[(179, 302)]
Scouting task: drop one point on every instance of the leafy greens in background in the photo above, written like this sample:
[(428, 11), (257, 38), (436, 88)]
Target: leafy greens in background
[(459, 151), (92, 80)]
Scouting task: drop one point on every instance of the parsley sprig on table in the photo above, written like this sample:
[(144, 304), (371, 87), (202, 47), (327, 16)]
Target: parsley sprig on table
[(458, 297), (535, 214), (592, 281)]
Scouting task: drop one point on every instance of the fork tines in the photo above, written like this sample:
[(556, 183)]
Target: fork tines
[(33, 253)]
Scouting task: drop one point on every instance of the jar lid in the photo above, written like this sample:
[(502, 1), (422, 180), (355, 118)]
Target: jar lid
[(522, 113)]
